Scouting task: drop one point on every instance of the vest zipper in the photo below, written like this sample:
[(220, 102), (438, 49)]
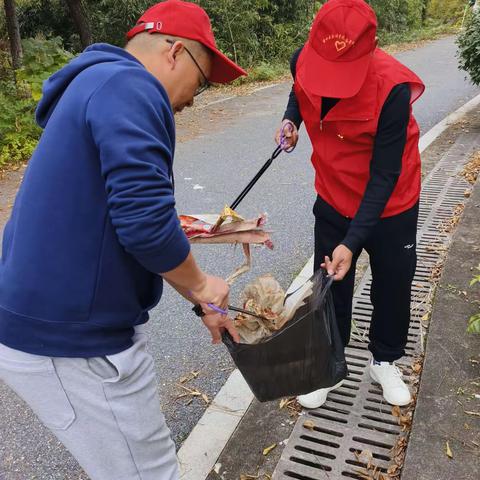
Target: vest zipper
[(321, 125)]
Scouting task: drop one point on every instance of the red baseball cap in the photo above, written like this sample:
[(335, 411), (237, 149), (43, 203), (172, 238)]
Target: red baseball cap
[(339, 49), (188, 20)]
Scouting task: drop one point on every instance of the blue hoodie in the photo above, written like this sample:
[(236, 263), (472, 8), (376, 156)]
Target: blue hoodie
[(94, 221)]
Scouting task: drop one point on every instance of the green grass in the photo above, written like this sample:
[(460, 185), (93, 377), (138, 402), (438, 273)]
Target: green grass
[(265, 72)]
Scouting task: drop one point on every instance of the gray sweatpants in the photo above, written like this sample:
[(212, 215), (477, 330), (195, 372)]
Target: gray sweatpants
[(105, 410)]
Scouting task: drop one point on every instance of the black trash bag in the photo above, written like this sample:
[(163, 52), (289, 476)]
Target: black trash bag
[(305, 355)]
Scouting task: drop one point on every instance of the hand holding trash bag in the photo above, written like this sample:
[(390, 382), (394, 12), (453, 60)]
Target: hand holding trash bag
[(340, 263)]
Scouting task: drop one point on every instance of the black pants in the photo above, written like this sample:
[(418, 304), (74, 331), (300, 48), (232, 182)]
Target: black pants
[(393, 259)]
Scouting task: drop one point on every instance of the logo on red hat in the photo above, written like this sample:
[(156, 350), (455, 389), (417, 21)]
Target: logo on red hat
[(341, 41)]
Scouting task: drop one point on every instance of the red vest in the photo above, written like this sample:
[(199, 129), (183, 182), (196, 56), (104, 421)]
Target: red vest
[(343, 141)]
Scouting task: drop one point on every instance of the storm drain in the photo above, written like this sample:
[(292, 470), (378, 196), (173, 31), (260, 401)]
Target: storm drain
[(355, 417)]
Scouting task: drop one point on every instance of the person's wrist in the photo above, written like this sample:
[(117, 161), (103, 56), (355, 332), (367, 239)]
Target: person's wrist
[(348, 246), (200, 285)]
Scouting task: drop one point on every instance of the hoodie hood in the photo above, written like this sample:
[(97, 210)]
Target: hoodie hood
[(54, 87)]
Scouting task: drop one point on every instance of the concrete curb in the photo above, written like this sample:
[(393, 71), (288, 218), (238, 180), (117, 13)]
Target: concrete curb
[(205, 443), (440, 127)]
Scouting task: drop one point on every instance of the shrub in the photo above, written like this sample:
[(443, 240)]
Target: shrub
[(253, 32), (447, 11), (19, 94), (18, 131), (41, 58), (398, 15), (469, 48)]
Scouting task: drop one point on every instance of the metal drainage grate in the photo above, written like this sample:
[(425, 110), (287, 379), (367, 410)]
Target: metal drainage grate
[(355, 417)]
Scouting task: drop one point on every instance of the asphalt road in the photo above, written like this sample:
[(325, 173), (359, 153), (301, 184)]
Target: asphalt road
[(228, 148)]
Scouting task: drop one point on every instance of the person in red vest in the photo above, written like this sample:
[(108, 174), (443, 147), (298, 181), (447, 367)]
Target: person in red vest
[(356, 103)]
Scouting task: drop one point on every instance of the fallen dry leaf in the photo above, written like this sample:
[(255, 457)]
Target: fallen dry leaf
[(475, 414), (417, 367), (267, 450), (393, 469), (472, 169), (449, 225), (309, 424), (426, 317), (405, 421), (449, 451), (294, 408), (192, 392), (365, 456), (191, 376)]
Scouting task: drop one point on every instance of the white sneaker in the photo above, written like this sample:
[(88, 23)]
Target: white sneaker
[(389, 376), (317, 398)]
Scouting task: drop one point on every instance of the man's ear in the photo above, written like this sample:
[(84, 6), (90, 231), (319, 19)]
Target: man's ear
[(174, 51)]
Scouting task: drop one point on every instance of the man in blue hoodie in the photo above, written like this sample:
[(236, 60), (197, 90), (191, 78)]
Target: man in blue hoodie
[(94, 230)]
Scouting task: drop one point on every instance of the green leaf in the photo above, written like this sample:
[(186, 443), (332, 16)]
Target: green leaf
[(475, 280), (474, 324)]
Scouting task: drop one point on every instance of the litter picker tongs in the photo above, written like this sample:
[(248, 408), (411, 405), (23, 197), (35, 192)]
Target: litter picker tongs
[(282, 147)]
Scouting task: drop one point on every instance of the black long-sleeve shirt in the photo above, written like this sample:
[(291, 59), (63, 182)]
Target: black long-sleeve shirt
[(386, 163)]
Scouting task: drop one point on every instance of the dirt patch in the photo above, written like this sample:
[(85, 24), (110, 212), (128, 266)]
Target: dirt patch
[(9, 183), (211, 112)]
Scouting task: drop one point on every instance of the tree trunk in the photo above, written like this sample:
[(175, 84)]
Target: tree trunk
[(13, 33), (424, 11), (80, 20)]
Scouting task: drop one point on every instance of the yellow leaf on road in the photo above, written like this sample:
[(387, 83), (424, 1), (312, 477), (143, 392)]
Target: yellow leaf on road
[(267, 450), (475, 414), (449, 451)]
